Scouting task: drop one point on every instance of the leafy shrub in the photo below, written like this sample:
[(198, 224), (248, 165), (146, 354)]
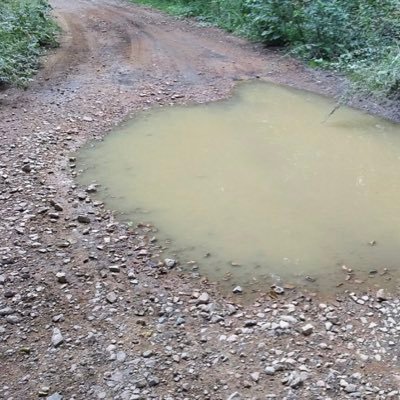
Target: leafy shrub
[(25, 28)]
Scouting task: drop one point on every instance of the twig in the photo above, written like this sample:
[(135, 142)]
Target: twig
[(337, 106)]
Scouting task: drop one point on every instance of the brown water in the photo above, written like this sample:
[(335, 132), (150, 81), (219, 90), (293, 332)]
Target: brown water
[(262, 181)]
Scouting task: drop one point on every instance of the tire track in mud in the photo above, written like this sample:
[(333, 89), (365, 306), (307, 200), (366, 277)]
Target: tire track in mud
[(124, 44)]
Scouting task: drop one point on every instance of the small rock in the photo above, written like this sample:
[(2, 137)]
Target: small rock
[(237, 290), (8, 294), (140, 384), (56, 206), (278, 289), (61, 277), (27, 168), (83, 219), (255, 376), (57, 338), (111, 297), (235, 396), (328, 326), (114, 268), (295, 379), (284, 324), (307, 330), (91, 188), (350, 388), (147, 353), (169, 262), (58, 318), (153, 381), (6, 311), (204, 298), (13, 319), (270, 370), (44, 391), (55, 396), (121, 356), (380, 295)]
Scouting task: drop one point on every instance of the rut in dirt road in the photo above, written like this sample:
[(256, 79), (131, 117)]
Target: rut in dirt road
[(126, 45)]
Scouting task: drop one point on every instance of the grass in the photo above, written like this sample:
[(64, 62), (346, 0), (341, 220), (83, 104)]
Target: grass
[(26, 29)]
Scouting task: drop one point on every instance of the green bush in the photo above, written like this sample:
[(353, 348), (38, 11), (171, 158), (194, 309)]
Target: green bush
[(358, 37), (25, 28)]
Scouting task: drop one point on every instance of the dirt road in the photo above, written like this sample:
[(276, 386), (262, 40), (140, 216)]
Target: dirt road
[(89, 309), (111, 43)]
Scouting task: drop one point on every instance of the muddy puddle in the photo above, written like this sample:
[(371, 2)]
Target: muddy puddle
[(260, 188)]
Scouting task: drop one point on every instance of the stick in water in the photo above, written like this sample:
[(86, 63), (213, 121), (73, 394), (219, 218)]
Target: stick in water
[(337, 106)]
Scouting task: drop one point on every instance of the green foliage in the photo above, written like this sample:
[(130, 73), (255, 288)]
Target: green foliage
[(358, 37), (25, 28)]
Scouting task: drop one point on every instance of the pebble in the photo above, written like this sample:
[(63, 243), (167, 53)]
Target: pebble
[(350, 388), (153, 381), (83, 219), (255, 376), (237, 290), (295, 379), (270, 370), (169, 262), (307, 330), (121, 356), (278, 289), (57, 338), (380, 295), (13, 319), (55, 396), (61, 277), (111, 297), (6, 311), (204, 298), (147, 353), (91, 188), (114, 268)]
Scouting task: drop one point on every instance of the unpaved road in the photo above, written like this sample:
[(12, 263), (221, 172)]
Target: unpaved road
[(88, 310)]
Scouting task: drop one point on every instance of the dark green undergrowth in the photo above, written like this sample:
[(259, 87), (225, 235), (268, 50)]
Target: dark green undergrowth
[(25, 29), (358, 37)]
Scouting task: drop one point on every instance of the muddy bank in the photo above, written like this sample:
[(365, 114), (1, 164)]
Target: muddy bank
[(88, 306)]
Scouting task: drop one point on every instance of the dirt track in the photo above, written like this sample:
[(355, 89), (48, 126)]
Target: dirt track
[(121, 45), (131, 327)]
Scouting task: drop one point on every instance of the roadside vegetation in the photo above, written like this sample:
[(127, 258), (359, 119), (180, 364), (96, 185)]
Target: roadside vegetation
[(25, 29), (359, 37)]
